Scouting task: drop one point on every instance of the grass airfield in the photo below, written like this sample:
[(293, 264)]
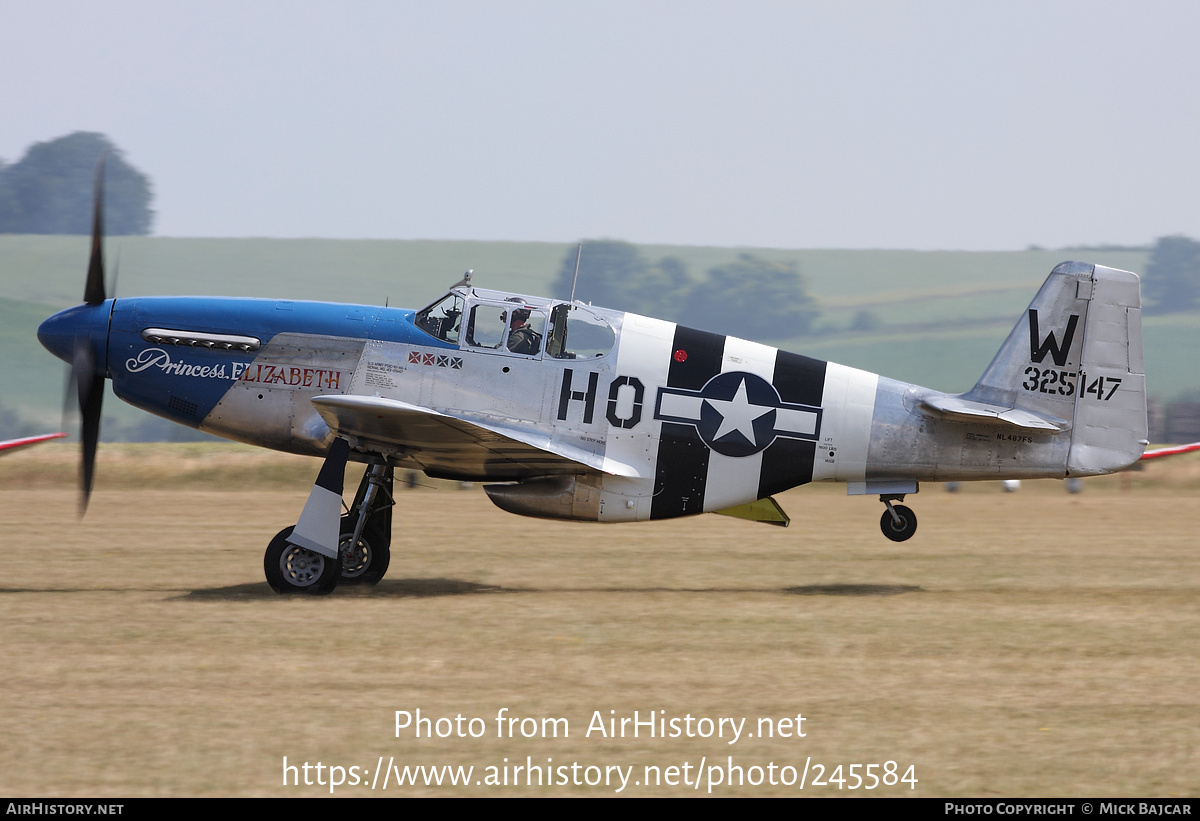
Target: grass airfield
[(1027, 644)]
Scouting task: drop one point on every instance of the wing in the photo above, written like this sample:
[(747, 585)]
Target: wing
[(1171, 451), (458, 446), (12, 444)]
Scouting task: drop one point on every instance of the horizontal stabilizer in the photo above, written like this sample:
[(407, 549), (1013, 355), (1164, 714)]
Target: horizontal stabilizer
[(981, 412), (766, 510)]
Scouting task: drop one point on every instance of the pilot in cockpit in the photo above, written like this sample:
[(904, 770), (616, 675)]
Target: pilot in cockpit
[(522, 338)]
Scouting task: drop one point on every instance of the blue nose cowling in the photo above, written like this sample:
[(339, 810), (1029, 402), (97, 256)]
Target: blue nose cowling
[(59, 333)]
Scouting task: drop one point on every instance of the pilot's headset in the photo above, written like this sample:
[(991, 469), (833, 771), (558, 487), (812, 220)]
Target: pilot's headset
[(521, 313)]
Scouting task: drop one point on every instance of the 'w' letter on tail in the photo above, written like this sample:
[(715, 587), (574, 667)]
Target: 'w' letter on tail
[(1038, 350)]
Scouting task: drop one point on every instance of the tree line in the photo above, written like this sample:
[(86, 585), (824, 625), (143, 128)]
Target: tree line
[(1171, 283), (748, 297), (50, 189), (756, 298)]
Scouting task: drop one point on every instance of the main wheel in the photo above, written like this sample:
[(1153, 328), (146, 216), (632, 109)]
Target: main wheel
[(366, 561), (898, 531), (292, 569)]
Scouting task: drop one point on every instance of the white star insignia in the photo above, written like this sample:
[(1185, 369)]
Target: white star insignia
[(738, 414)]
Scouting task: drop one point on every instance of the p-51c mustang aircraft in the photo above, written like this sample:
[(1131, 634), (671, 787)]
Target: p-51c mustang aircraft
[(575, 412)]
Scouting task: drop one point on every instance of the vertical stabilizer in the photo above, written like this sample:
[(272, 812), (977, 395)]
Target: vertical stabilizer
[(1075, 360)]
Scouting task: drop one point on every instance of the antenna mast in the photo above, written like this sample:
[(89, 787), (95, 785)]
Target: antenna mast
[(578, 254)]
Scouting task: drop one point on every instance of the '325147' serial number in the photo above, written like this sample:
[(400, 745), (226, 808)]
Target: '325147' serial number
[(1062, 383)]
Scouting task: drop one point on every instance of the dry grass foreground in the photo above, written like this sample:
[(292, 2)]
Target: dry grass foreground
[(1029, 644)]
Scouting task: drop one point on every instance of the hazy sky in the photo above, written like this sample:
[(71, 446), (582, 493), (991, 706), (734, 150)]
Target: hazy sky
[(930, 125)]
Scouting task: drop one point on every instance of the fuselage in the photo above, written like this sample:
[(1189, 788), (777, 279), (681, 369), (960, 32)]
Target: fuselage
[(639, 418)]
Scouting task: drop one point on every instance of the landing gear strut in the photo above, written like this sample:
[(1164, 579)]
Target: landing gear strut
[(898, 522), (366, 531), (364, 544)]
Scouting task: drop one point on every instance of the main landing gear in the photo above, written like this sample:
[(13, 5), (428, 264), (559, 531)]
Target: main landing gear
[(898, 522), (364, 544)]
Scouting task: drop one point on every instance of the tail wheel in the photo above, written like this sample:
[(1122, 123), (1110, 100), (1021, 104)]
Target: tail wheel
[(899, 527), (293, 569), (364, 561)]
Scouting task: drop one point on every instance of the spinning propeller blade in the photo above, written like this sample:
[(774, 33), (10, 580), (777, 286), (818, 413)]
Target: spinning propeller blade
[(87, 376), (93, 290)]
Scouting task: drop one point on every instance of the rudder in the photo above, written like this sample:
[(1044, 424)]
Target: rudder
[(1109, 431)]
